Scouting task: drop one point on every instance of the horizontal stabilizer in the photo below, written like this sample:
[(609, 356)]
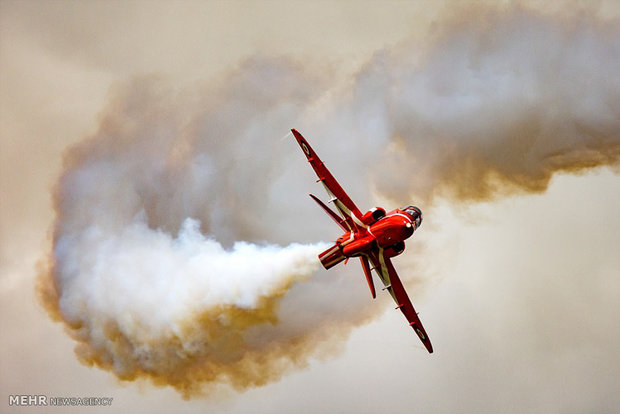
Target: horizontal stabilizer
[(331, 213), (368, 275)]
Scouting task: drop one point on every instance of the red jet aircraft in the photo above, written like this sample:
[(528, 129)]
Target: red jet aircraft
[(374, 237)]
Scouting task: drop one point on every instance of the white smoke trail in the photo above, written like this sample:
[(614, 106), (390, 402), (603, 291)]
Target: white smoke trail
[(102, 273), (144, 301)]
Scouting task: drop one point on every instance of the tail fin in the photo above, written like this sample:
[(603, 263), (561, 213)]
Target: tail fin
[(368, 275), (331, 213)]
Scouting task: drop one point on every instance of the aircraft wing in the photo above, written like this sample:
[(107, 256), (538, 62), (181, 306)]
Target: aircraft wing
[(341, 200), (387, 273)]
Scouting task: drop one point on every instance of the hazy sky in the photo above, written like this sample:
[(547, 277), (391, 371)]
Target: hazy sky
[(519, 295)]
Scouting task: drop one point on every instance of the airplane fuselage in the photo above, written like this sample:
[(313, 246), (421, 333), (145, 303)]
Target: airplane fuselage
[(388, 233), (394, 228)]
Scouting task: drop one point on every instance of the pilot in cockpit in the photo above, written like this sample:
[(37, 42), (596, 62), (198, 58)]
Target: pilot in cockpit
[(414, 212)]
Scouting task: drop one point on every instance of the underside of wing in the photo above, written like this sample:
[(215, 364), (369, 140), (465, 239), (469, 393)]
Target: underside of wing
[(338, 196), (389, 277)]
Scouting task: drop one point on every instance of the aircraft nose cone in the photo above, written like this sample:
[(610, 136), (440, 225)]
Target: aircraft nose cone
[(407, 229)]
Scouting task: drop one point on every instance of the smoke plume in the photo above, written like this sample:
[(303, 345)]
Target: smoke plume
[(500, 102), (167, 258)]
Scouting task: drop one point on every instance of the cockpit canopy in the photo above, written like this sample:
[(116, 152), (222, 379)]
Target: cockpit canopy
[(414, 212)]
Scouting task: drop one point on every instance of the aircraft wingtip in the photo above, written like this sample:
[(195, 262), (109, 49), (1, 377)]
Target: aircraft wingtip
[(296, 133)]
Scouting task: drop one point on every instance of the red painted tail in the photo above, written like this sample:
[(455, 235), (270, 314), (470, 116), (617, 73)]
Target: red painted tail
[(368, 275), (339, 221)]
